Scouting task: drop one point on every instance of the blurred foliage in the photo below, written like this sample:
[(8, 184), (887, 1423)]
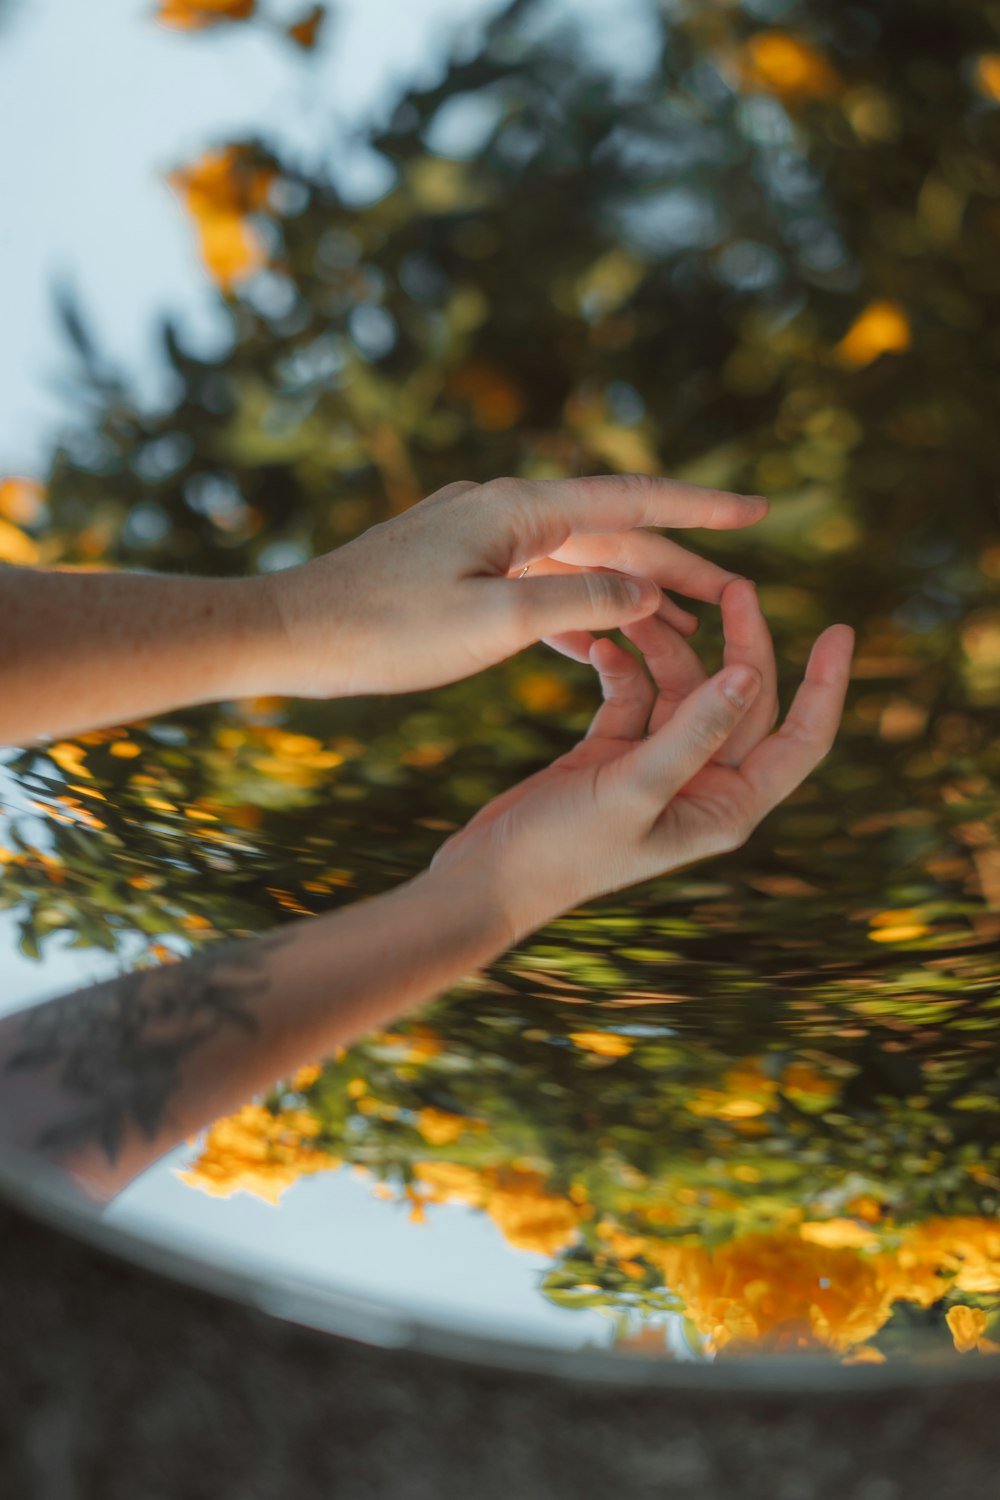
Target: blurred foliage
[(773, 266)]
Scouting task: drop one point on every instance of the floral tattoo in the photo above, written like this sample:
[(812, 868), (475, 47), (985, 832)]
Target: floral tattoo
[(119, 1047)]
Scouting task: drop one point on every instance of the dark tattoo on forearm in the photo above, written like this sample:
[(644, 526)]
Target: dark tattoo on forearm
[(120, 1047)]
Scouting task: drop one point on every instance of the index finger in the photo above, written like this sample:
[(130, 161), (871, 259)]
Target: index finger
[(548, 511)]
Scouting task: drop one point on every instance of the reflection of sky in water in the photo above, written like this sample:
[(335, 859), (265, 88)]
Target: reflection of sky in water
[(84, 198), (456, 1269)]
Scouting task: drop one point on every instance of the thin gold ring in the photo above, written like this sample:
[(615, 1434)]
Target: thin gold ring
[(524, 570)]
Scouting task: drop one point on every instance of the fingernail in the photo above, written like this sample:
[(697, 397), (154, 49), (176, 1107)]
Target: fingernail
[(642, 591), (740, 684)]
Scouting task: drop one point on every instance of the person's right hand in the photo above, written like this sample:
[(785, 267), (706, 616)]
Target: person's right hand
[(623, 806), (437, 593)]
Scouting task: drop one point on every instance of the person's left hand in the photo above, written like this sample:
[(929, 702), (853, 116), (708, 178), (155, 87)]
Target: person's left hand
[(674, 768), (434, 594)]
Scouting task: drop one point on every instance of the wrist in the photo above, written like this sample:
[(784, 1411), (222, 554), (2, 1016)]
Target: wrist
[(267, 661), (471, 868), (312, 643), (468, 903)]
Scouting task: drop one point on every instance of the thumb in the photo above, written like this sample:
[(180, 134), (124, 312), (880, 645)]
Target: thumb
[(587, 600), (667, 760)]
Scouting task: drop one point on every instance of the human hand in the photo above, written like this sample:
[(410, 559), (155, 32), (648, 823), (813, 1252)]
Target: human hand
[(434, 595), (623, 806)]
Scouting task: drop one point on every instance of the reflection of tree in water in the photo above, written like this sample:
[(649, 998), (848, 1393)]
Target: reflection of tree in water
[(772, 266)]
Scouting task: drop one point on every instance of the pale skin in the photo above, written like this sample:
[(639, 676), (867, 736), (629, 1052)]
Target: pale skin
[(419, 601), (675, 768)]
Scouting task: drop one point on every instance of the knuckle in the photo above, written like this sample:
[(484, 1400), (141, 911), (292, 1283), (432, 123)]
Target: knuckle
[(517, 502), (708, 732), (451, 497), (466, 490), (456, 489), (604, 591), (817, 744), (639, 484), (510, 489)]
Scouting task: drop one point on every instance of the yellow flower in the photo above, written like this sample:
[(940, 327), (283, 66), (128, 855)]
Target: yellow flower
[(746, 1092), (220, 190), (306, 1077), (449, 1182), (196, 15), (528, 1217), (883, 328), (839, 1234), (718, 1107), (779, 63), (967, 1326), (21, 500), (69, 757), (901, 926), (988, 75), (439, 1128), (15, 546), (619, 1244), (604, 1043), (255, 1151), (541, 692), (777, 1292), (900, 934), (967, 1247)]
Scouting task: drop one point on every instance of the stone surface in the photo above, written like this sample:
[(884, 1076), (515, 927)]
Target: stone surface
[(116, 1384)]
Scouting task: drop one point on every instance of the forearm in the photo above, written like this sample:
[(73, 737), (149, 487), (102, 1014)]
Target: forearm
[(83, 650), (104, 1081)]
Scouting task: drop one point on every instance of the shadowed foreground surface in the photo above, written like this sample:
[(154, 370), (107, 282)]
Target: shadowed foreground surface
[(119, 1384)]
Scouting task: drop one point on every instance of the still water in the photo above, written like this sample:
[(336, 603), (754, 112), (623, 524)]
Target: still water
[(750, 1109)]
